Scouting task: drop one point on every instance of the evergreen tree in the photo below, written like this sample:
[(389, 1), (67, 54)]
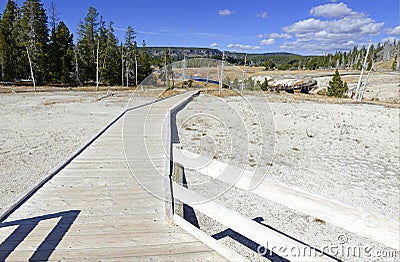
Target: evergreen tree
[(60, 51), (88, 33), (63, 59), (394, 65), (145, 63), (111, 58), (34, 38), (264, 85), (370, 63), (337, 87), (8, 42), (129, 55)]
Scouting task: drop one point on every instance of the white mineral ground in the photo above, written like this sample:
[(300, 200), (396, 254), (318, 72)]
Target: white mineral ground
[(334, 148), (343, 152)]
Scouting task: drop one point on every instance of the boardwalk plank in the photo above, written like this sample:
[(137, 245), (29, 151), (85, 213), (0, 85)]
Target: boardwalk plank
[(95, 208)]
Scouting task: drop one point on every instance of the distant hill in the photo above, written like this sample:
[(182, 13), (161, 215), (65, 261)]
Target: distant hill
[(178, 53)]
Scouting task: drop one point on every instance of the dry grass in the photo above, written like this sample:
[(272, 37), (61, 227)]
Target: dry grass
[(54, 102), (319, 221), (385, 65), (28, 89)]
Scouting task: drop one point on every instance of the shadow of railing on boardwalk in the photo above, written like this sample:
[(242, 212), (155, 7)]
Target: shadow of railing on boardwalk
[(26, 226), (267, 253)]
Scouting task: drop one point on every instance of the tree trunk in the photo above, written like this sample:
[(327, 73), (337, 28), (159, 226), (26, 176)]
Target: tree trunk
[(136, 71), (122, 65), (364, 65), (30, 65), (77, 68), (97, 65)]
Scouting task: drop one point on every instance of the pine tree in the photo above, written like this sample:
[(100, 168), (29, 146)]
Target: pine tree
[(8, 42), (111, 58), (370, 63), (337, 87), (394, 65), (64, 60), (145, 63), (129, 55), (88, 33), (33, 36), (60, 51)]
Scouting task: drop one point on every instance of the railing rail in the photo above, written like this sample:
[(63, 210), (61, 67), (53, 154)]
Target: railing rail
[(352, 219)]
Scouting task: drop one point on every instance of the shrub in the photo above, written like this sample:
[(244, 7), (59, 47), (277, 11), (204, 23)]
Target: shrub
[(337, 87)]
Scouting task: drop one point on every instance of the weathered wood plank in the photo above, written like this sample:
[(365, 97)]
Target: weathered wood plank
[(243, 225), (373, 226), (117, 217)]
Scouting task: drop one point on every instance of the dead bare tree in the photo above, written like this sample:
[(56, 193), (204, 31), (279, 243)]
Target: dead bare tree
[(77, 66), (31, 67), (122, 64), (364, 66), (97, 65)]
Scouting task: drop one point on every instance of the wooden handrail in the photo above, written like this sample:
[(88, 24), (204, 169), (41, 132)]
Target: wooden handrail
[(170, 120), (249, 228), (366, 224)]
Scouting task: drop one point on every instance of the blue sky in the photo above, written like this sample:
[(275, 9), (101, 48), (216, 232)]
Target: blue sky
[(253, 26)]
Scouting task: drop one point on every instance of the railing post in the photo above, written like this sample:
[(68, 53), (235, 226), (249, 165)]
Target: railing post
[(169, 197), (177, 177)]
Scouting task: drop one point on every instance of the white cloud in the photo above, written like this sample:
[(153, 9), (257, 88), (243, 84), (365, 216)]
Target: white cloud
[(314, 47), (306, 26), (318, 36), (391, 39), (275, 36), (243, 47), (332, 11), (210, 35), (269, 41), (394, 31), (226, 12), (263, 14), (214, 45)]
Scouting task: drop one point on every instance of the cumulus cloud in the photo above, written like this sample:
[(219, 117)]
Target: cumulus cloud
[(394, 31), (226, 12), (263, 14), (318, 36), (391, 39), (315, 47), (243, 47), (274, 35), (269, 41), (306, 26), (333, 11), (214, 45)]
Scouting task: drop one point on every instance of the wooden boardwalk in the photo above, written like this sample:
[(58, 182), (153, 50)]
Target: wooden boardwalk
[(95, 209)]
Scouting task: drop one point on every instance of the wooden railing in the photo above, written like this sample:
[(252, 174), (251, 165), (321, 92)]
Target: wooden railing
[(373, 226)]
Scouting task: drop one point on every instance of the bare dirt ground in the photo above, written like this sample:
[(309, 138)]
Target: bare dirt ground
[(342, 151)]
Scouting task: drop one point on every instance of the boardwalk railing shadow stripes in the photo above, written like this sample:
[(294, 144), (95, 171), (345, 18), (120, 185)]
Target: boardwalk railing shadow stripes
[(25, 226)]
